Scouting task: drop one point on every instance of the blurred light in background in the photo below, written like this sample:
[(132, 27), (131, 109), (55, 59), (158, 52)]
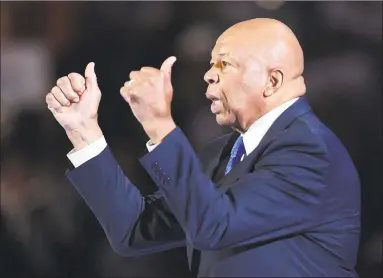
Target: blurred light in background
[(147, 16), (270, 5), (231, 12), (26, 75), (154, 15), (196, 41), (345, 73), (373, 249), (352, 18)]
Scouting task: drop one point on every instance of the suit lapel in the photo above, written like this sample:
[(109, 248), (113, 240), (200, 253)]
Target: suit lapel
[(215, 152), (299, 108)]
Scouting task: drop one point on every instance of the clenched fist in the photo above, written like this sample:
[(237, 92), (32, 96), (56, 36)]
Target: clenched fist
[(74, 104), (149, 94)]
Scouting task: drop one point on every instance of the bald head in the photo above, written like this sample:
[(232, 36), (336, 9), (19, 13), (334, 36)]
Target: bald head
[(269, 41)]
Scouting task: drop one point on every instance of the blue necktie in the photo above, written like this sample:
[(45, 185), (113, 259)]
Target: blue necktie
[(236, 154)]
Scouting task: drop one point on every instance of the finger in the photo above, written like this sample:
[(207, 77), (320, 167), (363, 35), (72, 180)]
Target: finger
[(65, 86), (59, 96), (128, 83), (127, 90), (126, 93), (78, 82), (150, 70), (138, 75), (52, 103), (90, 76), (123, 92), (167, 65)]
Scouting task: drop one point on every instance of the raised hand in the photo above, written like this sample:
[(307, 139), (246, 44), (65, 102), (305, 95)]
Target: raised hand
[(149, 94), (74, 104)]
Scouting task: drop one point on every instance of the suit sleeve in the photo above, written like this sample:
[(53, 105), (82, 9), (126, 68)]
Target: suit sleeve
[(279, 198), (134, 225)]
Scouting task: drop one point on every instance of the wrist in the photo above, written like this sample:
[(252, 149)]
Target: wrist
[(84, 135), (158, 130)]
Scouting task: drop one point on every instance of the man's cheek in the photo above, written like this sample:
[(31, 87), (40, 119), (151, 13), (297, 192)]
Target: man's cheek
[(229, 102), (226, 102), (226, 105)]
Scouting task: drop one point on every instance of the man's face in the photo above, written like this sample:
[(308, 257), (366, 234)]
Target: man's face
[(236, 82)]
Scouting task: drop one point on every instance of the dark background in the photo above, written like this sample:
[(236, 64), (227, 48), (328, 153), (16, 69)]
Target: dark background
[(46, 228)]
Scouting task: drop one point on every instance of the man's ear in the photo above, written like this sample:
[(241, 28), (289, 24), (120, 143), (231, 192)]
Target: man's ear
[(274, 82)]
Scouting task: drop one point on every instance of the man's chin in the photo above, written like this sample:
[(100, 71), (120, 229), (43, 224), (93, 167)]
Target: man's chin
[(222, 119)]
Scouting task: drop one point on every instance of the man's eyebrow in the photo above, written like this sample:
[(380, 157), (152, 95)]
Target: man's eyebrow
[(222, 54)]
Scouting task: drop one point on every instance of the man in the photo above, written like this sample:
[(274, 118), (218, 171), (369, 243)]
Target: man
[(277, 197)]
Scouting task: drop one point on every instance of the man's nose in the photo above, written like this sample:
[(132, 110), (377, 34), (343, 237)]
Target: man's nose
[(211, 77)]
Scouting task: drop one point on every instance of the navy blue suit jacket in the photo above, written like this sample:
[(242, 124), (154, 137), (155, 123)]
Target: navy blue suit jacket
[(291, 208)]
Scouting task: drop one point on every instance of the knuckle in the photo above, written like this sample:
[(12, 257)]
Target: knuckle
[(73, 75), (52, 102), (152, 79), (129, 92), (55, 90), (60, 81), (76, 78), (48, 97), (71, 97), (63, 81)]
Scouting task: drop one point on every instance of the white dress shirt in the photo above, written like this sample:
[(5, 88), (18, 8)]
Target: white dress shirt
[(251, 138)]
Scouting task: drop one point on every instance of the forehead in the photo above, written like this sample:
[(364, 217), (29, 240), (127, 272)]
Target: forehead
[(233, 46)]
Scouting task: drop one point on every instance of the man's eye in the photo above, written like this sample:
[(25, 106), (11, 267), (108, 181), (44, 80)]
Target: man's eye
[(224, 64)]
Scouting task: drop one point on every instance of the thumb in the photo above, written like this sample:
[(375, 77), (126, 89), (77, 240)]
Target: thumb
[(90, 76), (167, 65)]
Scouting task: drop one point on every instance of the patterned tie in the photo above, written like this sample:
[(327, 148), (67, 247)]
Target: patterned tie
[(236, 154)]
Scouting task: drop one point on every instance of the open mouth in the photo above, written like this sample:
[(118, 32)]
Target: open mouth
[(216, 105)]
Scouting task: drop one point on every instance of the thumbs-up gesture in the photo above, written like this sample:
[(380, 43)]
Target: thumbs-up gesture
[(74, 103), (149, 94)]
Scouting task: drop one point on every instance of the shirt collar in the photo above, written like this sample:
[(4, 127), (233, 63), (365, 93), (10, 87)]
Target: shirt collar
[(253, 136)]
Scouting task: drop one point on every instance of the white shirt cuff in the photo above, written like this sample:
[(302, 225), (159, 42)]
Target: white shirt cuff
[(150, 146), (87, 153)]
